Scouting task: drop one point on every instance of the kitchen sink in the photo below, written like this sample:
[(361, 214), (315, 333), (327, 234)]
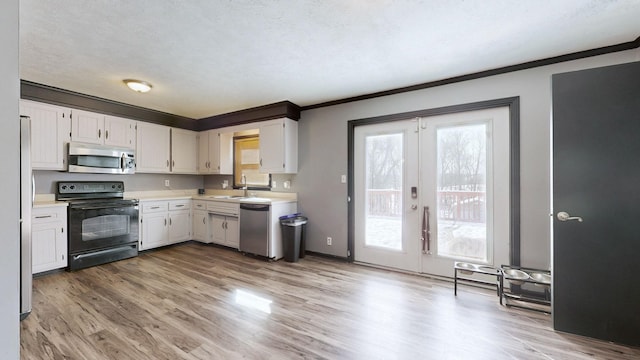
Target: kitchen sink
[(248, 199)]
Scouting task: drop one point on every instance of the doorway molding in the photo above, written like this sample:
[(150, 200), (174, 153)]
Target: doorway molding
[(513, 103)]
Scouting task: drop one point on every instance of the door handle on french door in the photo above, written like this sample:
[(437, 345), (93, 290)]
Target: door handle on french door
[(564, 216), (426, 231), (414, 207)]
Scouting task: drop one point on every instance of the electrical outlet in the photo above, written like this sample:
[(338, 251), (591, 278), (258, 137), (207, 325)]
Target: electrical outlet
[(329, 240), (343, 179), (166, 183), (274, 184), (287, 184)]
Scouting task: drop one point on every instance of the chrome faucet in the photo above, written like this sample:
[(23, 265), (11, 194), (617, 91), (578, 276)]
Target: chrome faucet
[(244, 181)]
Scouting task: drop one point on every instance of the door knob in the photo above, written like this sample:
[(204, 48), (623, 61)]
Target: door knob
[(564, 216)]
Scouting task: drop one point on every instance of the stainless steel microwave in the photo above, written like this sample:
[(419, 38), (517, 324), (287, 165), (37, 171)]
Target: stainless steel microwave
[(99, 159)]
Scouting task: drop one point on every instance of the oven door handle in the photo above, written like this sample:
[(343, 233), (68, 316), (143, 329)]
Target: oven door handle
[(100, 207)]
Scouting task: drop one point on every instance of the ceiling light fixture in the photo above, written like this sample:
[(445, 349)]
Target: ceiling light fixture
[(137, 85)]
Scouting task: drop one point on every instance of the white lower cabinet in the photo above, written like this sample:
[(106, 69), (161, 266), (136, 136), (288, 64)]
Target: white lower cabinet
[(224, 230), (223, 221), (48, 238), (200, 222), (179, 221), (164, 222)]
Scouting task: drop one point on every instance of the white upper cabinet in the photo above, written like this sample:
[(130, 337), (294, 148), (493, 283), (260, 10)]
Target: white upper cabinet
[(94, 128), (279, 146), (204, 143), (215, 152), (119, 132), (87, 127), (225, 154), (50, 134), (184, 151), (153, 148)]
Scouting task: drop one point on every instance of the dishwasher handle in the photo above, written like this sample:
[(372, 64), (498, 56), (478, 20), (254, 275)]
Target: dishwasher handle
[(255, 207)]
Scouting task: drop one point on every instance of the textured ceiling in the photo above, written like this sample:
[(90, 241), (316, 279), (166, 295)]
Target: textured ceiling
[(208, 57)]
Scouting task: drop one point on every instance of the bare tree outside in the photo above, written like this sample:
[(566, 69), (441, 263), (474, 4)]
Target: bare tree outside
[(462, 164), (461, 171), (384, 172), (384, 153)]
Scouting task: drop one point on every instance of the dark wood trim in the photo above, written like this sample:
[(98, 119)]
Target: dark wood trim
[(481, 74), (56, 96), (514, 181), (351, 207), (513, 103), (266, 112)]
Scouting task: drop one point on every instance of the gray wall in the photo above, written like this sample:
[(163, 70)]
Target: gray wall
[(9, 181), (323, 150), (215, 182), (46, 181)]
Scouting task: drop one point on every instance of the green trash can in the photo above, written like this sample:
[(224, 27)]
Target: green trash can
[(292, 236)]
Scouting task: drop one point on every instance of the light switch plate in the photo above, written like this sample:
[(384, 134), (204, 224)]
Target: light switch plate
[(343, 179)]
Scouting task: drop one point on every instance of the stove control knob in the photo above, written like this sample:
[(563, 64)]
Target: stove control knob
[(64, 187), (72, 187), (113, 186), (120, 186)]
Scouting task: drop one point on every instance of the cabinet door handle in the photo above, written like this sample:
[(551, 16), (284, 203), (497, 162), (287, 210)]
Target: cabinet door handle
[(203, 221), (165, 221), (180, 205), (260, 161), (155, 207), (99, 133), (43, 217), (173, 163), (106, 134), (169, 221), (167, 163)]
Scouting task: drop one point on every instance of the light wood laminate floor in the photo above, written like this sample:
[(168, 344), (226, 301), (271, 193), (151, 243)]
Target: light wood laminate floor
[(190, 302)]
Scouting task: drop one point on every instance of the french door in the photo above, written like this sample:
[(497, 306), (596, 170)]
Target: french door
[(434, 190), (386, 208), (465, 176)]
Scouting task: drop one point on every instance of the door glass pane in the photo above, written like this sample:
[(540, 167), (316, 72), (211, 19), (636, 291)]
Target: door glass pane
[(384, 180), (461, 192)]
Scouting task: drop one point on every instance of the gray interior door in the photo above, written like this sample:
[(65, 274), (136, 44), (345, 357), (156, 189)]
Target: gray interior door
[(596, 177)]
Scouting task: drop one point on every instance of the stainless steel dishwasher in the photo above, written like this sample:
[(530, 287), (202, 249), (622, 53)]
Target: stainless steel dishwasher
[(254, 229)]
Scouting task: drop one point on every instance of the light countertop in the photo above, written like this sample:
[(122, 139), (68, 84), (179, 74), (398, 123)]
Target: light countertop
[(232, 196)]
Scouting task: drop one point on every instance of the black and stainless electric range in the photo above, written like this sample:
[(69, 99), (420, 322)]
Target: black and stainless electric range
[(102, 225)]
